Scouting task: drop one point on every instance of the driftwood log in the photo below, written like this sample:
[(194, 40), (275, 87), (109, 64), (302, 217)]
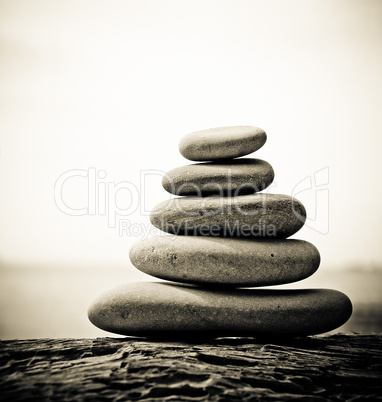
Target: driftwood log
[(323, 368)]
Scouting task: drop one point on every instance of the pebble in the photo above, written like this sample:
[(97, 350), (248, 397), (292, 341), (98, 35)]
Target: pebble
[(221, 261), (235, 177), (257, 215), (222, 143), (171, 310)]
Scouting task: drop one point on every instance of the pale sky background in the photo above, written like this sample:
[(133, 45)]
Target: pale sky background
[(112, 86)]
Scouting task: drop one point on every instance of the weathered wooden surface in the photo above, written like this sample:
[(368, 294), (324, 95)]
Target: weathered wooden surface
[(330, 368)]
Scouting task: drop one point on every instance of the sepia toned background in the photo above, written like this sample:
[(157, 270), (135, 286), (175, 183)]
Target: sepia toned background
[(101, 92)]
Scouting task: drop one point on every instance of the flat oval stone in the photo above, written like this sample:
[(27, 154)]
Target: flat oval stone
[(172, 310), (222, 143), (224, 261), (227, 177), (257, 215)]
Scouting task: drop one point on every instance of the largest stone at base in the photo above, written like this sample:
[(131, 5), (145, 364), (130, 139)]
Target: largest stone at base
[(171, 310)]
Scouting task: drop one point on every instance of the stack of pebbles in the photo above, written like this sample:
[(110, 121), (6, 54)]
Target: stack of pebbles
[(225, 239)]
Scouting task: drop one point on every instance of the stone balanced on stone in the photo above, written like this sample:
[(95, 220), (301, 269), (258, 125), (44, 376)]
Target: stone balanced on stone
[(224, 235)]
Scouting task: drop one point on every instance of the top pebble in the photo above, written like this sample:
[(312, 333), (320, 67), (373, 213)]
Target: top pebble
[(222, 143)]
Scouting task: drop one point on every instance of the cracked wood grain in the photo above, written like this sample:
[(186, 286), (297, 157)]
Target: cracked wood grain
[(322, 368)]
